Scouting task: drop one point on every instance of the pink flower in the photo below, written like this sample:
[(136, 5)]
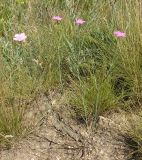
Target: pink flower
[(20, 37), (79, 21), (57, 18), (119, 34)]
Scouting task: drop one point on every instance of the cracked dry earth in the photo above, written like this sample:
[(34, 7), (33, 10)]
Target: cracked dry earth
[(57, 136)]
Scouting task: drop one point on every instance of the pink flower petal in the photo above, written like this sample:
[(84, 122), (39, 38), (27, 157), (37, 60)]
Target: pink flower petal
[(57, 18), (20, 37), (79, 21), (119, 34)]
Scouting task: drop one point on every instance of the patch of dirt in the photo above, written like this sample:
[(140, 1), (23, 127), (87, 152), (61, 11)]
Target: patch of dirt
[(57, 136)]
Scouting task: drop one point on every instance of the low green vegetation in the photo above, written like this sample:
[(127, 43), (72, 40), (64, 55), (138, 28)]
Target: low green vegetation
[(99, 69)]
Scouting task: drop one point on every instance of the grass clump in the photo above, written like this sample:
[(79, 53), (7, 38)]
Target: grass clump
[(134, 136)]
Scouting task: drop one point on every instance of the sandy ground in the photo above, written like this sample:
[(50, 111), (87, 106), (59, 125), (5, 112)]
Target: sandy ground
[(57, 136)]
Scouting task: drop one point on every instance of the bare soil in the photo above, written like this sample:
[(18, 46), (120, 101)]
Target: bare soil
[(58, 136)]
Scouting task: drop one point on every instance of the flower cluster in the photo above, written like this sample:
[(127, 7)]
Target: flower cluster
[(78, 21), (21, 37)]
